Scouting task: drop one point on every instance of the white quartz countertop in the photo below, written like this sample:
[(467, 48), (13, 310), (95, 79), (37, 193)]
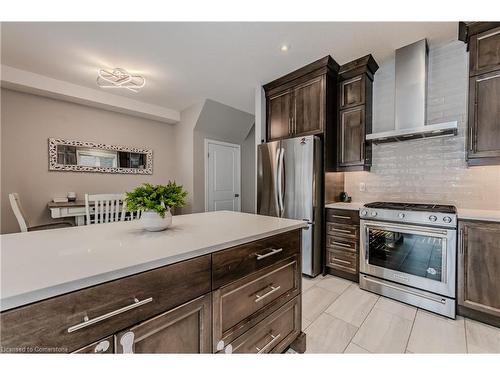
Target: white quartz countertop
[(485, 215), (43, 264), (355, 206)]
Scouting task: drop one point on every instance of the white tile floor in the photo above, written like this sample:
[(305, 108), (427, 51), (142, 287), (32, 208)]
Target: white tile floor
[(338, 317)]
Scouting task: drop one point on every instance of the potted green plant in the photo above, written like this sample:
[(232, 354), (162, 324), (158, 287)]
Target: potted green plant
[(155, 202)]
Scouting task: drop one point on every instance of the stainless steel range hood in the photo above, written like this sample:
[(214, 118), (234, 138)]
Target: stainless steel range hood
[(411, 98)]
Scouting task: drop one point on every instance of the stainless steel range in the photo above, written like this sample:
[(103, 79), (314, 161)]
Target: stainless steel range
[(408, 252)]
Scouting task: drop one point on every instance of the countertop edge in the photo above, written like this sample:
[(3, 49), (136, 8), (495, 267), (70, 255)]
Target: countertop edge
[(21, 300)]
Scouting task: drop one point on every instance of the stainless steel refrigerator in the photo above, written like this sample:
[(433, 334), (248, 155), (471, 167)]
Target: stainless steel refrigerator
[(289, 185)]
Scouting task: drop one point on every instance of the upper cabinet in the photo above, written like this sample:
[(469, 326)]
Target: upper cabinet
[(355, 88), (297, 103), (304, 103), (483, 135)]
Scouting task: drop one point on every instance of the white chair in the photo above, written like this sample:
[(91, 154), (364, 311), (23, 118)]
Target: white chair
[(22, 219), (108, 208)]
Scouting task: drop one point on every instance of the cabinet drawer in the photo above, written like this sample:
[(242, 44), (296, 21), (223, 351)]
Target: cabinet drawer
[(232, 264), (342, 244), (274, 333), (238, 305), (342, 216), (342, 260), (341, 230), (71, 321)]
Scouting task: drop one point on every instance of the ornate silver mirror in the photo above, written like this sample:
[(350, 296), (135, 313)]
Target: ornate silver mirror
[(80, 156)]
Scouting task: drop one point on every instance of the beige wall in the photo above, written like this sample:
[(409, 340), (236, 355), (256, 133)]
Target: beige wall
[(26, 123)]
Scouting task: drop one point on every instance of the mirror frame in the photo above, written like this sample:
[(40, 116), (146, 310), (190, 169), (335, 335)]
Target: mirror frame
[(54, 166)]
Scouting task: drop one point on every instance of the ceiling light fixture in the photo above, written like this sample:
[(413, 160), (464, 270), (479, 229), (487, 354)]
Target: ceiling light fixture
[(119, 78), (284, 48)]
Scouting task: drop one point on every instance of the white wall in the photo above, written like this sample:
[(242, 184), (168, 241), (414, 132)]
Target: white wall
[(428, 170)]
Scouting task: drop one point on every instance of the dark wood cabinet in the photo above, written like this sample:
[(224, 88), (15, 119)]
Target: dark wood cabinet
[(484, 119), (478, 287), (249, 292), (355, 114), (484, 51), (342, 243), (304, 102), (185, 329), (483, 132), (308, 107), (279, 115)]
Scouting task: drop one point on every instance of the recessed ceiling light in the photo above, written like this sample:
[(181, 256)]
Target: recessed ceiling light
[(119, 78), (284, 48)]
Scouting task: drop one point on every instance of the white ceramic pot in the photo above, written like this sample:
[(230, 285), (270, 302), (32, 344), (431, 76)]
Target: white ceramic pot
[(153, 222)]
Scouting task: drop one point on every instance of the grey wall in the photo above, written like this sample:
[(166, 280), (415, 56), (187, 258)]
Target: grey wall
[(428, 170), (26, 123), (220, 122)]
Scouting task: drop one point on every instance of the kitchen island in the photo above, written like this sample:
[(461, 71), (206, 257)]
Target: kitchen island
[(213, 282)]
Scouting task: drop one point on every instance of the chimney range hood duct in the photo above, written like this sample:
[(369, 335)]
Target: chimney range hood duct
[(410, 99)]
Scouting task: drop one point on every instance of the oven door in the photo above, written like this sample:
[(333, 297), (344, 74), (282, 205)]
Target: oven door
[(416, 256)]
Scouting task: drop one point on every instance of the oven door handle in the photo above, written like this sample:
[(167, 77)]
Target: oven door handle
[(411, 229)]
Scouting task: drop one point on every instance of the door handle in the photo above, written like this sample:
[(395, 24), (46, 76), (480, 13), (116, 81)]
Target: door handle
[(272, 252), (261, 297), (127, 343), (236, 195), (281, 153), (273, 339)]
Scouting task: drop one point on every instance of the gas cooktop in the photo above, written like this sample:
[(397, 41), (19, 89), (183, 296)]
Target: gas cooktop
[(442, 208)]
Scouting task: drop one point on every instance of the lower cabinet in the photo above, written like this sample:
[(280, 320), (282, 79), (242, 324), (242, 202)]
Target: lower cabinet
[(342, 243), (185, 329), (479, 271)]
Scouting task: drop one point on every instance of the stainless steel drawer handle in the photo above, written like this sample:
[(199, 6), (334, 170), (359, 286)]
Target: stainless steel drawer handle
[(340, 230), (272, 252), (88, 322), (341, 244), (341, 260), (261, 297), (273, 340), (341, 217)]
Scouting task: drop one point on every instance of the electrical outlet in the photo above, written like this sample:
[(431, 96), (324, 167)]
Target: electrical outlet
[(362, 186)]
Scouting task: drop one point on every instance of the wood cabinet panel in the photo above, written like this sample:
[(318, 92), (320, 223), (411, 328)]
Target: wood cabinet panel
[(485, 52), (484, 116), (185, 329), (308, 107), (234, 263), (352, 136), (352, 92), (274, 333), (479, 267), (343, 261), (239, 305), (279, 110), (342, 216), (46, 323)]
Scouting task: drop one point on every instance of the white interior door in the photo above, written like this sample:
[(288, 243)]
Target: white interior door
[(222, 176)]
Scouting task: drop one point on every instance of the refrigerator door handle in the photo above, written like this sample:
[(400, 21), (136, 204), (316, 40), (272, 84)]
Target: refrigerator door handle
[(281, 154), (277, 182)]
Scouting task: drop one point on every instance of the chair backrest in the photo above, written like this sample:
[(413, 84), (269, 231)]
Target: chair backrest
[(15, 203), (107, 208)]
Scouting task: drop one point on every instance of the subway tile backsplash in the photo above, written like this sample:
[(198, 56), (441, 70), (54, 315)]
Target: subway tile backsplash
[(427, 170)]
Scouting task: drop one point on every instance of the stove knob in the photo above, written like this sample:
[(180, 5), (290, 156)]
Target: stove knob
[(433, 218), (401, 215), (373, 213), (447, 219), (364, 213)]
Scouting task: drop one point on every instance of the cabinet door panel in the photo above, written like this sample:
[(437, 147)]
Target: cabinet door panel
[(279, 115), (479, 267), (485, 51), (309, 107), (185, 329), (352, 92), (484, 117), (352, 136)]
